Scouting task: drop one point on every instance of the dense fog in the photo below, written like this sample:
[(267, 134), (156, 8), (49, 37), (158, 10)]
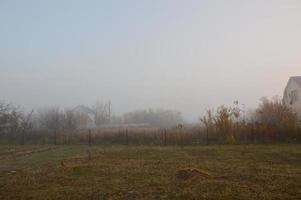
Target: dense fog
[(187, 56)]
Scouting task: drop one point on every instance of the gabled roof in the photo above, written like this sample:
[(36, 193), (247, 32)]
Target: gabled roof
[(83, 109), (297, 79)]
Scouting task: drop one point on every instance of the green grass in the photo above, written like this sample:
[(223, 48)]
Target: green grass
[(150, 172)]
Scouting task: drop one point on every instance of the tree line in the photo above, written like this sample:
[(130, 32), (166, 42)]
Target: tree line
[(271, 121)]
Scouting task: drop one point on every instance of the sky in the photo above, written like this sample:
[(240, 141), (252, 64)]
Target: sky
[(185, 55)]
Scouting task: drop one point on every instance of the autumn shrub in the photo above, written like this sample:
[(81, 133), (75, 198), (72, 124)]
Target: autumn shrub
[(276, 122)]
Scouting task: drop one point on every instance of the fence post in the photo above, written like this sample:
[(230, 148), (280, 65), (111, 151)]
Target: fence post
[(55, 137), (253, 133), (104, 142), (23, 137), (180, 127), (207, 135), (126, 137), (164, 132), (299, 133), (89, 137)]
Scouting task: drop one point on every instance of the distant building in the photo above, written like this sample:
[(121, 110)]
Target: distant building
[(86, 116), (292, 94)]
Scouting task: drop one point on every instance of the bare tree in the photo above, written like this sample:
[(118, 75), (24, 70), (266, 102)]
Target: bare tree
[(25, 125), (71, 120), (207, 120), (102, 113), (10, 118), (51, 119)]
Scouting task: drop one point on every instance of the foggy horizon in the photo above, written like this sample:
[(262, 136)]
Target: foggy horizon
[(179, 55)]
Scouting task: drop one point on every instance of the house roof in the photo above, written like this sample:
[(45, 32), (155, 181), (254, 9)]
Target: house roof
[(83, 109), (297, 79)]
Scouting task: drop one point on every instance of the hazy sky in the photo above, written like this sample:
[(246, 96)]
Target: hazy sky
[(178, 54)]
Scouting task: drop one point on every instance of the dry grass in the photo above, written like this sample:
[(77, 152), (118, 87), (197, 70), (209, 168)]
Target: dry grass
[(189, 173), (149, 172)]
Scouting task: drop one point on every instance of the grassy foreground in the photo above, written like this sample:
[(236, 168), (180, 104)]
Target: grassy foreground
[(149, 172)]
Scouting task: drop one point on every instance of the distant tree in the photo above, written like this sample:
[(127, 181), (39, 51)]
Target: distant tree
[(102, 113), (25, 124), (71, 120), (208, 121), (10, 118), (51, 119), (156, 118), (223, 123)]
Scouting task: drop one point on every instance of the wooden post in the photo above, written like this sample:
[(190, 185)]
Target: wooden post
[(299, 134), (180, 126), (126, 137), (55, 137), (252, 133), (104, 142), (23, 137), (25, 127), (182, 138), (164, 132), (207, 135), (89, 137)]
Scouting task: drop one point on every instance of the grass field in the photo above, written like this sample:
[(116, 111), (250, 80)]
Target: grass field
[(150, 172)]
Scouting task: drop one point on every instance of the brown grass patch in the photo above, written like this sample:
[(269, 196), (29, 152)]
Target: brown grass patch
[(188, 173)]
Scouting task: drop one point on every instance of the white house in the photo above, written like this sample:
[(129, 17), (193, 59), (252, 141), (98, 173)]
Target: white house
[(292, 94), (86, 116)]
